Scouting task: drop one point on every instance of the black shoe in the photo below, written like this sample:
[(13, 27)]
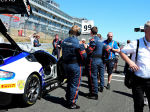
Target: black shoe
[(92, 96), (108, 86), (100, 89), (73, 106)]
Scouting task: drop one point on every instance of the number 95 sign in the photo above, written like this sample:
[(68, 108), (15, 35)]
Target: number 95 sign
[(86, 26)]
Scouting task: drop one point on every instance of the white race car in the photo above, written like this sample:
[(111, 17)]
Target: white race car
[(29, 75)]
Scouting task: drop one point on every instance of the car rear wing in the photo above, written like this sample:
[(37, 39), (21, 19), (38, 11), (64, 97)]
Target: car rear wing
[(15, 7)]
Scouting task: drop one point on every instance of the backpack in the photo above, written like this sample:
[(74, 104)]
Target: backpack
[(128, 80)]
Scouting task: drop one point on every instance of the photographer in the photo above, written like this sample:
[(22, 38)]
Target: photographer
[(36, 41), (141, 77)]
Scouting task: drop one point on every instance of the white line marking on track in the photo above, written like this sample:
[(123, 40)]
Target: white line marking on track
[(116, 75), (116, 80)]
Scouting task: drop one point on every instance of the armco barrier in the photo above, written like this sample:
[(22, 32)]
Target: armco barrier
[(43, 45)]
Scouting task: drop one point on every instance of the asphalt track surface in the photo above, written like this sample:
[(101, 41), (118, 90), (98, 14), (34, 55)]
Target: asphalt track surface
[(117, 99)]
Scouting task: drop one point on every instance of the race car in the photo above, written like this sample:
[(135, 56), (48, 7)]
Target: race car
[(26, 74), (22, 72)]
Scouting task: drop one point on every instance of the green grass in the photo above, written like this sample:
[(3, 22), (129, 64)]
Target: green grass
[(50, 50), (44, 38)]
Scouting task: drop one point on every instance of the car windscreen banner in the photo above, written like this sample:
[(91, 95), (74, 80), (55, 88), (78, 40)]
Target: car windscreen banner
[(15, 7)]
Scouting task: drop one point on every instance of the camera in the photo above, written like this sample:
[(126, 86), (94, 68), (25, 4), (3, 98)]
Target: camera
[(138, 29)]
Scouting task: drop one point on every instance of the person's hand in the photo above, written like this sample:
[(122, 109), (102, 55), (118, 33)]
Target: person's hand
[(133, 66), (85, 46), (80, 42), (109, 47), (112, 49), (58, 45)]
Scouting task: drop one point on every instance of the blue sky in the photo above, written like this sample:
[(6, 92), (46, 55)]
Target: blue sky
[(117, 16)]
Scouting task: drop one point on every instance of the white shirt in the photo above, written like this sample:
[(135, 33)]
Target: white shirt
[(1, 40), (143, 58), (117, 53), (32, 40)]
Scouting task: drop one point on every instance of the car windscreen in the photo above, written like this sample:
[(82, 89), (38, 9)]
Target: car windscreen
[(3, 40)]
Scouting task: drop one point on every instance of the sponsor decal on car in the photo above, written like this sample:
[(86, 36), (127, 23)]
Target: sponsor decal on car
[(4, 86), (21, 84)]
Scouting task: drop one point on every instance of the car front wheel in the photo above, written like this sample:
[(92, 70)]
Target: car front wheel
[(32, 90)]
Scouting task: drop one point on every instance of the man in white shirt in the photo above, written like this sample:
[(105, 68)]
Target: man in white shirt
[(1, 40), (32, 37), (141, 79)]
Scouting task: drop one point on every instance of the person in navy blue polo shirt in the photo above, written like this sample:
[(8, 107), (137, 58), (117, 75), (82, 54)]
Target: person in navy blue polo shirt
[(112, 47), (36, 41)]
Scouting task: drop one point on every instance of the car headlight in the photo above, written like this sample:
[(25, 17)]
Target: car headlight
[(5, 75)]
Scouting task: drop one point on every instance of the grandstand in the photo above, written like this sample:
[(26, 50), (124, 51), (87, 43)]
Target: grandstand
[(46, 17)]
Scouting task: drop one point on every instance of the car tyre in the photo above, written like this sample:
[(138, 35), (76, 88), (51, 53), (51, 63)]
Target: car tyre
[(32, 90)]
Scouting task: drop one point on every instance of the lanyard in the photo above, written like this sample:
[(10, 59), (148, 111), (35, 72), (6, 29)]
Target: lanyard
[(146, 44), (112, 47)]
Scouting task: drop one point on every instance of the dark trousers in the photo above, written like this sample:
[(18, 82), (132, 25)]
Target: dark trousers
[(110, 65), (140, 86), (95, 65), (56, 52), (74, 74)]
